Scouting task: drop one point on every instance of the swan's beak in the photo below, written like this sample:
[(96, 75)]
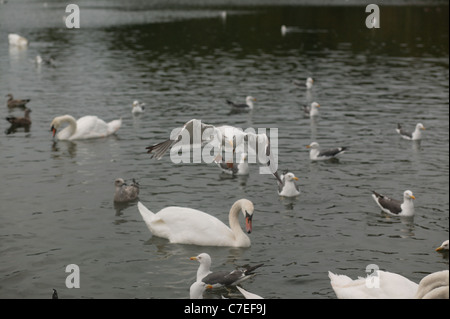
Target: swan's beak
[(53, 129), (248, 223)]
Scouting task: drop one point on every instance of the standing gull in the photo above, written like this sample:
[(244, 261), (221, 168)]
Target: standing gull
[(416, 135), (316, 154), (221, 278), (247, 106), (125, 193), (396, 207), (312, 110)]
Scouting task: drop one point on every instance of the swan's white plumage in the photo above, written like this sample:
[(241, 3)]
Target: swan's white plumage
[(86, 127), (184, 225), (391, 286), (17, 40)]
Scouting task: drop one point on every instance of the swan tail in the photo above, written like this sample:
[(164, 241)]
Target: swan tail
[(339, 280), (146, 214), (114, 125)]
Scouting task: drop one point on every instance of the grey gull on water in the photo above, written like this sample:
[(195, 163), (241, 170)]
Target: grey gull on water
[(396, 207), (316, 154), (407, 135), (312, 110), (221, 278), (137, 107), (286, 184), (247, 106)]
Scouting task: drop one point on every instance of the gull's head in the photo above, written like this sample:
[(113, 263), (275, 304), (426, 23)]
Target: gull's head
[(315, 105), (408, 195), (443, 246), (420, 126), (119, 182), (313, 145), (203, 258), (250, 99), (197, 288), (135, 103), (310, 80), (243, 157), (290, 177)]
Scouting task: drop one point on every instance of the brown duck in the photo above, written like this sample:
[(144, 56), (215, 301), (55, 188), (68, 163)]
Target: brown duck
[(19, 122), (12, 103)]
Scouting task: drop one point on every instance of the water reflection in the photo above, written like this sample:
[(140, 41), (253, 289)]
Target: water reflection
[(70, 147)]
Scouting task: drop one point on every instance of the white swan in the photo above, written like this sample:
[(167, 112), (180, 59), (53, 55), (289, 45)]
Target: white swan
[(84, 128), (388, 285), (181, 225)]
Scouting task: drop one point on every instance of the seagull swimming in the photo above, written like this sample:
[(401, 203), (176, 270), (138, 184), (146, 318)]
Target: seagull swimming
[(125, 193), (312, 110), (416, 135), (247, 106), (316, 154), (396, 207)]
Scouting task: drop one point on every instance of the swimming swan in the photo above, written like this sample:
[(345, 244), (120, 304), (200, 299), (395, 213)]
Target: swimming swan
[(85, 127), (182, 225)]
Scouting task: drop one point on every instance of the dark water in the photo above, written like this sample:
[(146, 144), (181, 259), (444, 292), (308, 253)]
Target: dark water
[(184, 61)]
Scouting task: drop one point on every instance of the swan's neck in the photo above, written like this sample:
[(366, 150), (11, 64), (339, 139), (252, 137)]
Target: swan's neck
[(72, 128), (234, 223)]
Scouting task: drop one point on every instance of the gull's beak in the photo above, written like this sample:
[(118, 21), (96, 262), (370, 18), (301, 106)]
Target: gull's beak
[(193, 258), (209, 287), (413, 197), (318, 105), (423, 127), (439, 248), (308, 146), (254, 100), (295, 178)]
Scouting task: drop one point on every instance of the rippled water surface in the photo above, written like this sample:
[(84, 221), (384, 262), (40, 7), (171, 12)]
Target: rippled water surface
[(184, 61)]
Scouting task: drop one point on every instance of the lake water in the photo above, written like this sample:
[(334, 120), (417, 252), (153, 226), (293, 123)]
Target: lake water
[(184, 61)]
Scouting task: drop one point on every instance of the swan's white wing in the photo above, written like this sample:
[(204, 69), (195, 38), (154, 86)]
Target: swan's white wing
[(190, 226), (386, 286)]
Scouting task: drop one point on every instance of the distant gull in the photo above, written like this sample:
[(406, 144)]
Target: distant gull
[(124, 192), (316, 154), (248, 295), (55, 294), (443, 247), (137, 107), (247, 106), (17, 40), (396, 207), (286, 184), (48, 61), (197, 289), (312, 110), (416, 135), (13, 103), (221, 278)]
